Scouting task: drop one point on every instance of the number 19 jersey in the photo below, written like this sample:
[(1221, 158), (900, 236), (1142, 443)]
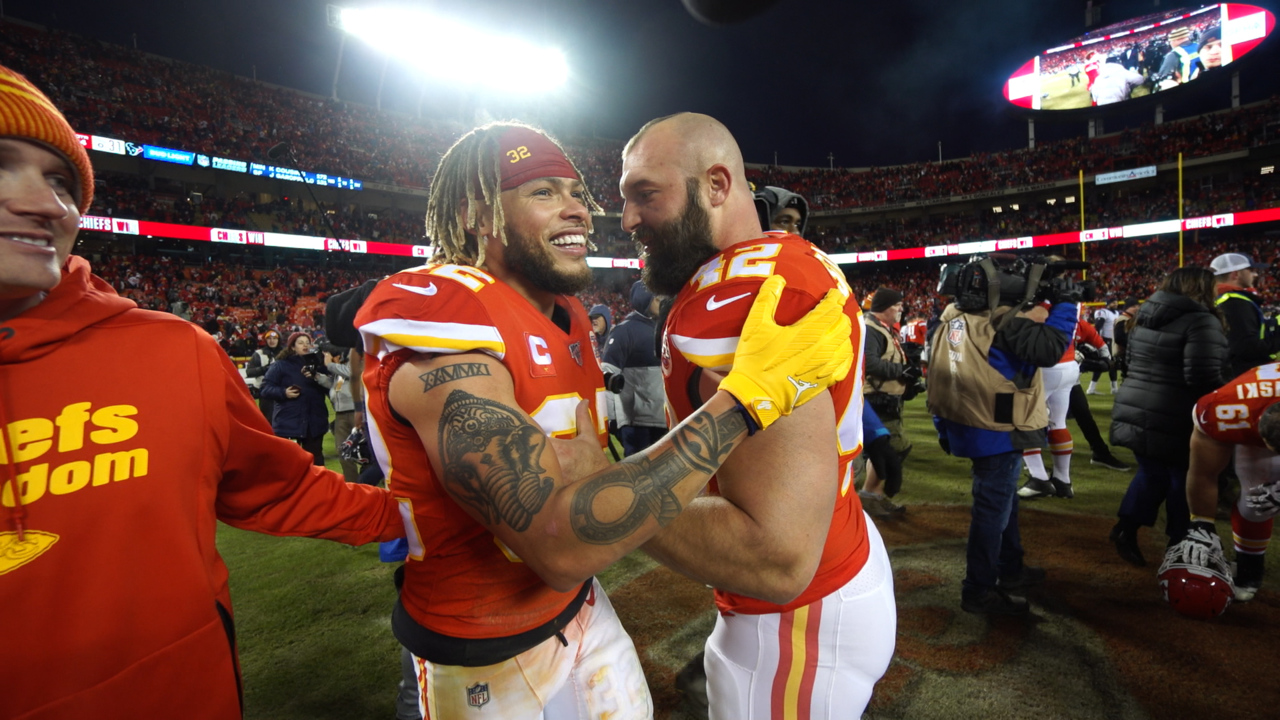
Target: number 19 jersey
[(702, 332)]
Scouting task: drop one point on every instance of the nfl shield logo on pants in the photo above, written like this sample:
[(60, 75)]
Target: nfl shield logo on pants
[(478, 694)]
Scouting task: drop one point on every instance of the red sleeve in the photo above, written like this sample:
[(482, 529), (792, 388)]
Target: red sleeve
[(267, 484), (1087, 333)]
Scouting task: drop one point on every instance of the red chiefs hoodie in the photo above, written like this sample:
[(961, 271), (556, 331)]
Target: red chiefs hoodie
[(126, 435)]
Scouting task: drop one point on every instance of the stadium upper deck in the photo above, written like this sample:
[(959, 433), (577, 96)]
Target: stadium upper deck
[(117, 92)]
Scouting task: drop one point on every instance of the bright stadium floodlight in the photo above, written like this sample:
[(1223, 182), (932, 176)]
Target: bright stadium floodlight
[(448, 50)]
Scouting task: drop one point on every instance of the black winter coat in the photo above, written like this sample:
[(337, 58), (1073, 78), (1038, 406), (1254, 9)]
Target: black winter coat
[(1177, 352), (305, 416)]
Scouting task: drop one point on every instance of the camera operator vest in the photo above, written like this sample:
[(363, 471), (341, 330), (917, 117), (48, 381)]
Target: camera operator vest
[(963, 386), (892, 353)]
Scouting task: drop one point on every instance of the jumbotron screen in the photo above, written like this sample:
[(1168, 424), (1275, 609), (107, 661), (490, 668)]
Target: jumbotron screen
[(1150, 54)]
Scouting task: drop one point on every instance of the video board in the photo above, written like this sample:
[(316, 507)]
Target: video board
[(1139, 57)]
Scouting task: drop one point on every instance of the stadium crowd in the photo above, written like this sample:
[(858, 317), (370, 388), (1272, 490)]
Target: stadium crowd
[(116, 91), (238, 304), (1103, 208), (127, 196), (119, 92)]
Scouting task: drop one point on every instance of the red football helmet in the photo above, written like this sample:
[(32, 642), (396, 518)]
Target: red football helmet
[(1198, 592)]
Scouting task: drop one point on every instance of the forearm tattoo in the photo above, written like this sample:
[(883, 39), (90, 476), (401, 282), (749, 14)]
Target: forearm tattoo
[(699, 446), (449, 373), (491, 460)]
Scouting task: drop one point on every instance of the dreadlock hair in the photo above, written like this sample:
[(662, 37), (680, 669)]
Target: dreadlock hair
[(470, 170)]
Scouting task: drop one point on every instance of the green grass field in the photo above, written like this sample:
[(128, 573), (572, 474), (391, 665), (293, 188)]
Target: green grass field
[(313, 616), (1058, 94)]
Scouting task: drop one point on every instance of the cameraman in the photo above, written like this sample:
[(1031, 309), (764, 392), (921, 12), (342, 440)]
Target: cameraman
[(300, 412), (890, 377), (988, 402)]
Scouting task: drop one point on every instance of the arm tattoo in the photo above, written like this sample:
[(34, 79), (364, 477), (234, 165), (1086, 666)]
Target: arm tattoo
[(449, 373), (697, 447), (491, 459)]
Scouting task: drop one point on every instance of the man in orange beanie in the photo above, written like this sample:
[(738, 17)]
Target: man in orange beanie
[(111, 483)]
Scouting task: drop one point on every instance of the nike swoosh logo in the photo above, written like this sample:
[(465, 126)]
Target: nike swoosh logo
[(429, 290), (713, 304)]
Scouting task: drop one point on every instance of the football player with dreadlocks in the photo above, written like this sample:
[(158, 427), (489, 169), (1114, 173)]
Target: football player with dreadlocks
[(472, 362)]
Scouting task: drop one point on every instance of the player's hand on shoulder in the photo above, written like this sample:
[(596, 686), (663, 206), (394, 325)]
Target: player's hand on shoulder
[(779, 367)]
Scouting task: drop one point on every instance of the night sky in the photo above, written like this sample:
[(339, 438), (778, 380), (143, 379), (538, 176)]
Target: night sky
[(872, 83)]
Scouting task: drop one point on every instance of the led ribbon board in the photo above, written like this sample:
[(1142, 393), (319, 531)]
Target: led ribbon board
[(121, 226)]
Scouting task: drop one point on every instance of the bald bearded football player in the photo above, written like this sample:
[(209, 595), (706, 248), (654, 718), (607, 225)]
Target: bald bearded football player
[(803, 582), (473, 363)]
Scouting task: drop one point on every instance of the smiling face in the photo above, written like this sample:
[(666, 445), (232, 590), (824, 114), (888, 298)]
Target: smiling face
[(663, 211), (38, 218), (547, 225)]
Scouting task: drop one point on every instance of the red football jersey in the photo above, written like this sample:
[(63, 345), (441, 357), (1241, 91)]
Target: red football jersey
[(702, 331), (460, 580), (1230, 414), (1091, 71), (915, 331)]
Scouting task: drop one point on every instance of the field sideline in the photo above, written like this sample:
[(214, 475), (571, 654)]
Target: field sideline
[(313, 616)]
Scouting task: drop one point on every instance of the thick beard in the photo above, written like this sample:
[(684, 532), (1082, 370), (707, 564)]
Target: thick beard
[(532, 259), (674, 251)]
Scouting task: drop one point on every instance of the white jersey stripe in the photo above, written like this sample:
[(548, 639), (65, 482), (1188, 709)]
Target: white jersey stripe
[(432, 337), (713, 353)]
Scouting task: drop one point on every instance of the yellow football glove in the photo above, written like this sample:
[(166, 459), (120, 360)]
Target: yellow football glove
[(780, 367)]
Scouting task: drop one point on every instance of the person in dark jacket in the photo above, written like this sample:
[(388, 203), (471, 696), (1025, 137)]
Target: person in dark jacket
[(642, 417), (1251, 338), (301, 413), (257, 368), (601, 323), (1176, 349)]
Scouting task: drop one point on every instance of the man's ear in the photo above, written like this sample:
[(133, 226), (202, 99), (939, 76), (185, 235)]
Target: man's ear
[(483, 226), (720, 183)]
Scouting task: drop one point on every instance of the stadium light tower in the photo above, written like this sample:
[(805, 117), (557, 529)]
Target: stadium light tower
[(446, 49)]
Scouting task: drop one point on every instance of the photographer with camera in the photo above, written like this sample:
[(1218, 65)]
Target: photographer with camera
[(988, 403), (890, 379), (300, 413)]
